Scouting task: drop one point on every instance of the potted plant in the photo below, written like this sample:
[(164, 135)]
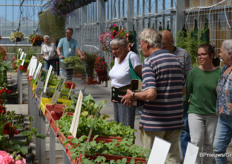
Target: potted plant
[(35, 39), (90, 61), (17, 36), (101, 69)]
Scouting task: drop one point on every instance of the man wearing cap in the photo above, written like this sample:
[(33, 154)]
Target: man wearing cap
[(67, 47)]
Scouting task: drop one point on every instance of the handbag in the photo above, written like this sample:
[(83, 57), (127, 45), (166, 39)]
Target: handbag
[(136, 81)]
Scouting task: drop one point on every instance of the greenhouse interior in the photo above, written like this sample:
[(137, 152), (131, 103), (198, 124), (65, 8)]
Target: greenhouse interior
[(115, 81)]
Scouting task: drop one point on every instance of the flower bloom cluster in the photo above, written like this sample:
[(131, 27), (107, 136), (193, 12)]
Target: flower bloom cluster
[(3, 54), (107, 37)]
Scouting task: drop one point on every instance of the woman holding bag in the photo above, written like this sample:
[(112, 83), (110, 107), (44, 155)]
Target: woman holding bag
[(121, 78)]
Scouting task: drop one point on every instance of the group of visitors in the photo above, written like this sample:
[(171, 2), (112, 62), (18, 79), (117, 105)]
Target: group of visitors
[(66, 47), (171, 85), (181, 103)]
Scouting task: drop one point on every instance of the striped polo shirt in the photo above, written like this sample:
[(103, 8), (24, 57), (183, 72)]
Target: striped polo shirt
[(163, 71)]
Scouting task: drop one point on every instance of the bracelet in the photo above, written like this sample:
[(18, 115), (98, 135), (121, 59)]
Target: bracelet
[(134, 95)]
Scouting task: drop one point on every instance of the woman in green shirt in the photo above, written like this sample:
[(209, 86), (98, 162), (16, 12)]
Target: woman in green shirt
[(201, 94)]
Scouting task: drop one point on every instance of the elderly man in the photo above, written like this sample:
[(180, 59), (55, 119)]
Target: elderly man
[(185, 59), (163, 82), (67, 47)]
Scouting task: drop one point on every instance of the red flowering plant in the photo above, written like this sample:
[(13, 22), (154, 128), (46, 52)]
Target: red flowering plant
[(90, 59), (35, 39), (101, 69), (12, 125)]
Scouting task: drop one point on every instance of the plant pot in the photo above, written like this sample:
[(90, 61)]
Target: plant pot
[(18, 39), (91, 81)]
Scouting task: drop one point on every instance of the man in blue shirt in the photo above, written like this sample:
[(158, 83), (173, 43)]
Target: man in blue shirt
[(67, 47)]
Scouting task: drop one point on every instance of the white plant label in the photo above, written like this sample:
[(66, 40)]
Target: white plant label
[(76, 116), (47, 78), (159, 151), (37, 70)]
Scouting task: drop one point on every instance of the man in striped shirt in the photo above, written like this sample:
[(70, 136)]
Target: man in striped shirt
[(185, 59), (163, 82)]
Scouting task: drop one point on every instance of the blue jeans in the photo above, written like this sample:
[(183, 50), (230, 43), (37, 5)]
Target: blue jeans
[(185, 136), (124, 114), (51, 62), (222, 137)]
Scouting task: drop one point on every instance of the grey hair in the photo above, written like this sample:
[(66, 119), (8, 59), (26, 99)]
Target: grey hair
[(227, 45), (119, 41), (153, 37), (45, 36)]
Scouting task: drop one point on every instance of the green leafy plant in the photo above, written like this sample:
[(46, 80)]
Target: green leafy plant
[(124, 148), (75, 62), (101, 127), (52, 25)]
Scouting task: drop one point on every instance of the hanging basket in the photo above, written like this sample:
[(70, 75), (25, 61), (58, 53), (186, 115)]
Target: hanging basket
[(18, 39)]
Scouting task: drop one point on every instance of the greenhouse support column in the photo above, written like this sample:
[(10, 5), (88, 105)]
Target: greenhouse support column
[(83, 24), (180, 18), (130, 14), (101, 20)]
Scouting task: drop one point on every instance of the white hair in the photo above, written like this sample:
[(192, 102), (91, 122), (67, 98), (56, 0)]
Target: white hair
[(46, 36), (227, 45), (153, 37)]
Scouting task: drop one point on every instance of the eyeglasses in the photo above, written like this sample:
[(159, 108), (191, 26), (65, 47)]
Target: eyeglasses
[(202, 55)]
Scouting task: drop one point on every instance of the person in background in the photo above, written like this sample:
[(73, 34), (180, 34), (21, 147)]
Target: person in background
[(201, 92), (121, 78), (48, 51), (224, 105), (68, 47), (163, 83), (185, 59)]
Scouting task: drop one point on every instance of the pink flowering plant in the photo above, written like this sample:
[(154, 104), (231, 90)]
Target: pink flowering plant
[(107, 37)]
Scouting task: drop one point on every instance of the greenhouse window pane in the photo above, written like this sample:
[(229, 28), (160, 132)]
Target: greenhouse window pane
[(140, 7), (167, 4), (121, 8), (135, 7), (125, 8), (146, 5), (153, 6)]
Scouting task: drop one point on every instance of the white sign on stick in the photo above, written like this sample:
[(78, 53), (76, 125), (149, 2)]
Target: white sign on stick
[(24, 58), (31, 62), (21, 56), (47, 78), (20, 50), (191, 154), (76, 116), (37, 70), (159, 151), (32, 66)]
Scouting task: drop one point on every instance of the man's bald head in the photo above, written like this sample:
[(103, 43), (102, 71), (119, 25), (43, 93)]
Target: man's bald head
[(167, 40)]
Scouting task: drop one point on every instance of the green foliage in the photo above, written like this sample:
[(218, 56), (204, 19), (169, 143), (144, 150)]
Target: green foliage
[(52, 25), (124, 148), (75, 62), (192, 39), (101, 127)]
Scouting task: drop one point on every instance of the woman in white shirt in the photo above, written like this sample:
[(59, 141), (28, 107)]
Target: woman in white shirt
[(48, 52), (121, 78)]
